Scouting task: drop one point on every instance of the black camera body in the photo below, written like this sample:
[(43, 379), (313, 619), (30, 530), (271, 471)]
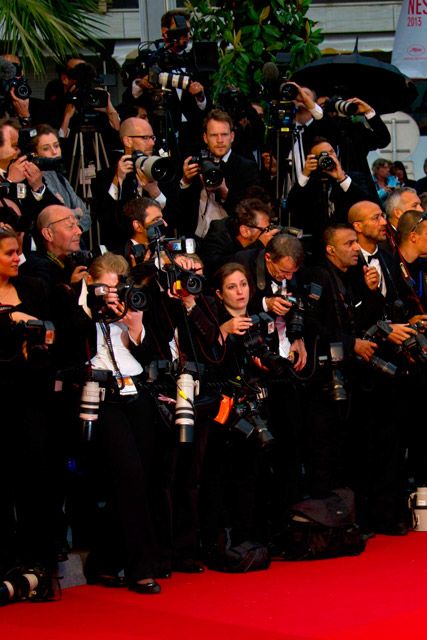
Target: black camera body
[(295, 318), (210, 171), (38, 336), (183, 279), (88, 98), (20, 84), (415, 347), (325, 162), (45, 164), (131, 295), (256, 342), (235, 103), (288, 91), (250, 423), (85, 95), (378, 333)]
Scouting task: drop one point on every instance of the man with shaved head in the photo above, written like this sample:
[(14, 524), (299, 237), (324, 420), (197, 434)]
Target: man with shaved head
[(117, 185), (378, 435)]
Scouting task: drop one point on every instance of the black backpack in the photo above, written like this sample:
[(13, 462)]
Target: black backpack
[(323, 528), (247, 556)]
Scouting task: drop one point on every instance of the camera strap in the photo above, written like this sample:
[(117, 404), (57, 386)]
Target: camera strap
[(340, 293), (105, 328), (260, 271), (53, 258)]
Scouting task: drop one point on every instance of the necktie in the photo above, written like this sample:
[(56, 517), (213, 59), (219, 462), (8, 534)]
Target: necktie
[(373, 256)]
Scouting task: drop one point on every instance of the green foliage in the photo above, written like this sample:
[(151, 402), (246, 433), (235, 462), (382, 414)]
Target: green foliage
[(36, 28), (250, 33)]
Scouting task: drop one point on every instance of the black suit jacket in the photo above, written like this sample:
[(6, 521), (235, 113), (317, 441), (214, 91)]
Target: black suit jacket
[(108, 211), (308, 205)]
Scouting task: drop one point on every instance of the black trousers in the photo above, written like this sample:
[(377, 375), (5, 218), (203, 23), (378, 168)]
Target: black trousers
[(135, 453), (28, 460)]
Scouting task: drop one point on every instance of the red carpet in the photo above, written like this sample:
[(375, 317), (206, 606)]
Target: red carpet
[(381, 594)]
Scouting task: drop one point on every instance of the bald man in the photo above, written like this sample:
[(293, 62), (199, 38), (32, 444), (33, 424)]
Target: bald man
[(60, 234), (376, 269), (116, 186)]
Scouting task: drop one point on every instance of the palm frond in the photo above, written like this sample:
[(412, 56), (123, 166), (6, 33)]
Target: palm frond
[(36, 28)]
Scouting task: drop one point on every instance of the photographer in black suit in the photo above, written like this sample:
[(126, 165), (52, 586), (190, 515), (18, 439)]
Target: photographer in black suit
[(323, 192), (199, 201), (379, 436)]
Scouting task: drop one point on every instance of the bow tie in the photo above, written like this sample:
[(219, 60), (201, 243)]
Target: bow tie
[(374, 256)]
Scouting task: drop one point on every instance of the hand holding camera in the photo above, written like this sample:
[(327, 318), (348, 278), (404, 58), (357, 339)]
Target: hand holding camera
[(279, 305), (124, 166)]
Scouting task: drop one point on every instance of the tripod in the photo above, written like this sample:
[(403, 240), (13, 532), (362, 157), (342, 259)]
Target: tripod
[(83, 170)]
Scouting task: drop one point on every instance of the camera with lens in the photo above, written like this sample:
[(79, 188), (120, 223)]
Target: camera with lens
[(249, 422), (325, 162), (93, 392), (168, 79), (340, 106), (14, 191), (86, 96), (12, 78), (131, 295), (38, 336), (414, 348), (84, 257), (153, 167), (378, 333), (256, 342), (288, 91), (294, 317), (333, 362), (27, 583), (183, 280), (210, 171), (235, 103), (45, 164)]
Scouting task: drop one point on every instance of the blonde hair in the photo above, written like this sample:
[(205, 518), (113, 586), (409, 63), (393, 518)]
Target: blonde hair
[(109, 263)]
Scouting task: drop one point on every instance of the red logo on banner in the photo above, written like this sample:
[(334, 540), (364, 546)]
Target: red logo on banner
[(416, 50)]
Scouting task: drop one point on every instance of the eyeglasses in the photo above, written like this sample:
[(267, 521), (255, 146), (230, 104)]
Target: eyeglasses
[(145, 138), (270, 227), (72, 222), (420, 220)]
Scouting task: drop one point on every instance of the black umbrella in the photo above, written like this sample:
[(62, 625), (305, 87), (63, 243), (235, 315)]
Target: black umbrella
[(380, 84)]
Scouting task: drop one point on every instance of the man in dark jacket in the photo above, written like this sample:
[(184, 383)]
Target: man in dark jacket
[(200, 201)]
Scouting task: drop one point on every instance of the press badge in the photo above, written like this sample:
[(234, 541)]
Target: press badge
[(128, 386)]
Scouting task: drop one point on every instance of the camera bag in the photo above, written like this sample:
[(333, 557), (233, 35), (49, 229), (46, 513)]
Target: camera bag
[(323, 528), (246, 556)]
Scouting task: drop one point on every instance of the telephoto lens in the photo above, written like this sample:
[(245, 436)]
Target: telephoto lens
[(89, 408), (184, 409)]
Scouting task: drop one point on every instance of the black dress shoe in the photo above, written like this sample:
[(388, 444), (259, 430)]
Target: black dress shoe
[(187, 566), (147, 588), (94, 575), (163, 575)]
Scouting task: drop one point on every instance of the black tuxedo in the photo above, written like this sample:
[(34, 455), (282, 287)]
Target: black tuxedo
[(239, 174), (380, 307)]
